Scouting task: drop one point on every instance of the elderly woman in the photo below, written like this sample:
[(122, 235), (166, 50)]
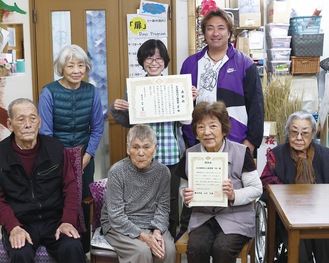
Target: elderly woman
[(221, 232), (135, 214), (299, 161), (153, 56), (71, 111)]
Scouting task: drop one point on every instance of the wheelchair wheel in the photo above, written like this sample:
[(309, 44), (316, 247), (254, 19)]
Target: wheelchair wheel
[(261, 228)]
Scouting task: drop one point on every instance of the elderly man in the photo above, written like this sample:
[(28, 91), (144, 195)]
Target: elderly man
[(135, 215), (38, 191)]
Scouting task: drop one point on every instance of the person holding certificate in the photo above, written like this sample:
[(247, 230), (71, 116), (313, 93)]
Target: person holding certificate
[(221, 72), (300, 160), (220, 232), (153, 57)]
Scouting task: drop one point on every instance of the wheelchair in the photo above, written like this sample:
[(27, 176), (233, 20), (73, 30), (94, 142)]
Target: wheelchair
[(260, 239)]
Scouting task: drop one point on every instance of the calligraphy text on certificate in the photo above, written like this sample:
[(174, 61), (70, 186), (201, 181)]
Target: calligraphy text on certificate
[(206, 173), (160, 99)]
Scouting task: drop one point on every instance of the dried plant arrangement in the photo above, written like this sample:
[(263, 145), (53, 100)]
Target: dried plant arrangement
[(279, 102)]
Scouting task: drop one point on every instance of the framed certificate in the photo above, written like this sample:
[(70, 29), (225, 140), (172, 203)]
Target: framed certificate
[(206, 173), (160, 99)]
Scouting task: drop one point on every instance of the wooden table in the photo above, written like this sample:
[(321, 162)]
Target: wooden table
[(303, 210)]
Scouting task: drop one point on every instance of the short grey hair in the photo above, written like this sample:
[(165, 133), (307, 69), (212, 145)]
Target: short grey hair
[(68, 53), (142, 132), (19, 101), (300, 115)]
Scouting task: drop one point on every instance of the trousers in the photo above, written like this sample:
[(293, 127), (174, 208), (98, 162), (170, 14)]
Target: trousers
[(63, 250), (209, 240)]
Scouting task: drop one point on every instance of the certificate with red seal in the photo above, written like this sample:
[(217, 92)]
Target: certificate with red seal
[(160, 99)]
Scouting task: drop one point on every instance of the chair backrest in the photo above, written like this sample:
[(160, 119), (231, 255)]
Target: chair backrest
[(75, 155), (98, 190)]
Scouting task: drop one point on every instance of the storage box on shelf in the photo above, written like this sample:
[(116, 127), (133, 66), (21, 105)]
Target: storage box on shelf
[(276, 29), (310, 45), (304, 25), (278, 11), (279, 67), (249, 13), (278, 44), (278, 53), (305, 65), (306, 43), (278, 41)]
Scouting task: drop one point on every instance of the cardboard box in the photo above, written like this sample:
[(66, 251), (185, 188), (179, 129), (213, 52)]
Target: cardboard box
[(269, 142), (249, 13), (249, 6), (256, 39), (250, 20), (278, 11), (242, 44), (256, 54)]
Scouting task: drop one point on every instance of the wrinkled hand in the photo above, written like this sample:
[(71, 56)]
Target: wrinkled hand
[(195, 93), (228, 188), (188, 195), (120, 104), (155, 242), (18, 236), (67, 229)]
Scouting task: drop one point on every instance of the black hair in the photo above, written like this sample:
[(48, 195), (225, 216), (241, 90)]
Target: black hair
[(147, 49)]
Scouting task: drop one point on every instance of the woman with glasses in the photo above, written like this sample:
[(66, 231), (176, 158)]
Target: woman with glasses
[(153, 57), (300, 160)]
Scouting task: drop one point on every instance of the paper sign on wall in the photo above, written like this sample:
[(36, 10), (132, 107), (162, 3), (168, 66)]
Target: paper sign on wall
[(153, 9), (141, 28)]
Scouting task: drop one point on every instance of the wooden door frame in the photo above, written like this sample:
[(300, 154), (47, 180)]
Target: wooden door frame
[(117, 133)]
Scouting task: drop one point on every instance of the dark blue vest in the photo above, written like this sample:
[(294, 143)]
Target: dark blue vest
[(72, 111)]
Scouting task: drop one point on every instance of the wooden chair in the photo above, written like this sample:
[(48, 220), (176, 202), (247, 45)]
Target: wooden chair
[(248, 249), (98, 254)]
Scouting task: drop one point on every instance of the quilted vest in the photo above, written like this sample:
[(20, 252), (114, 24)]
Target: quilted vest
[(72, 111)]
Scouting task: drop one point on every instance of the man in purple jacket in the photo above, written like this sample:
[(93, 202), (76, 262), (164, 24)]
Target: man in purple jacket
[(221, 72)]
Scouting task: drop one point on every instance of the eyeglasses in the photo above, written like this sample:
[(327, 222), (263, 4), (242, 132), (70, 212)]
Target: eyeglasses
[(157, 60), (294, 134)]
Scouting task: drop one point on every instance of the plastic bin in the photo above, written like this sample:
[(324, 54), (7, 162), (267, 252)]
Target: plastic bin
[(307, 45), (279, 67), (278, 42), (304, 25), (278, 53), (276, 29)]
